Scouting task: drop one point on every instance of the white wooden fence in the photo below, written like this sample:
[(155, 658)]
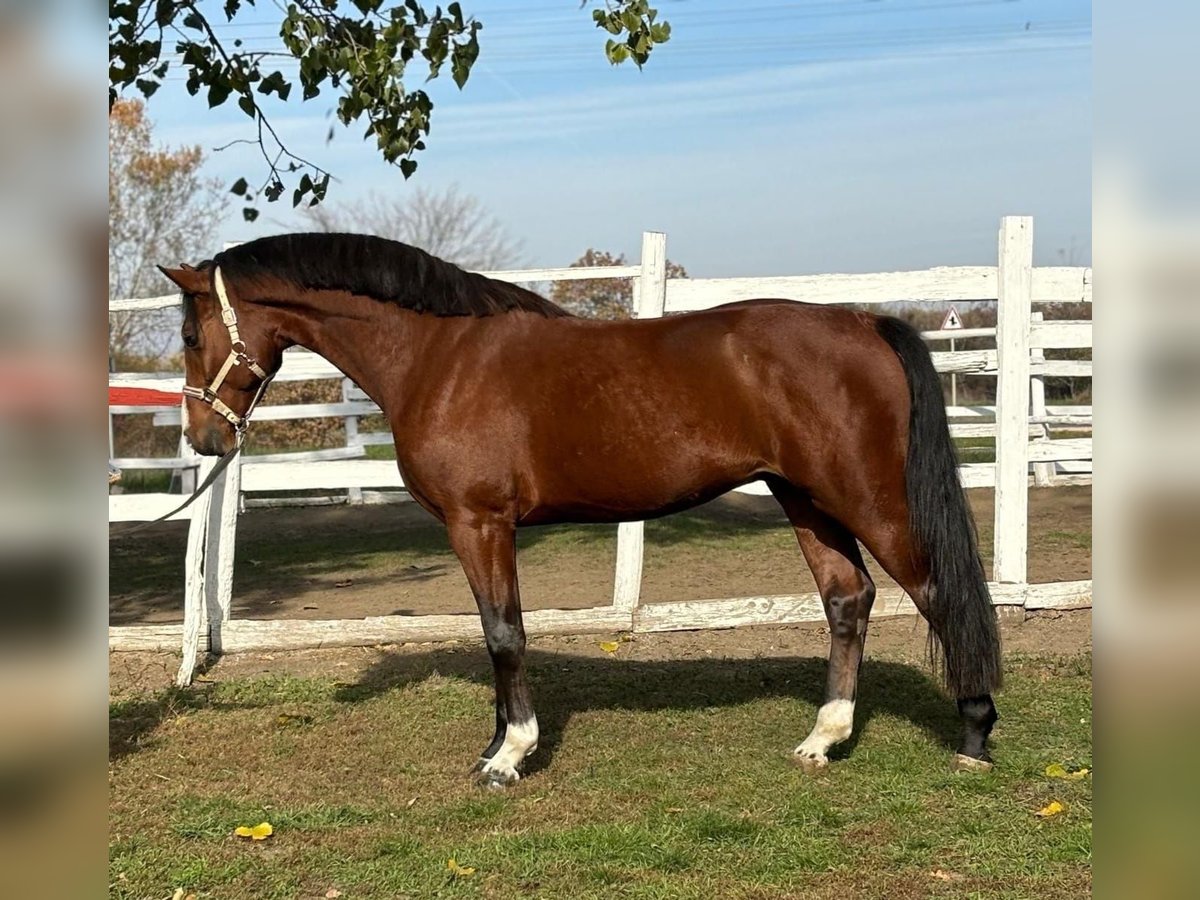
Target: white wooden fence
[(1020, 413)]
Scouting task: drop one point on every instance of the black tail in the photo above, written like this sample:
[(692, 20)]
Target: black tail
[(961, 615)]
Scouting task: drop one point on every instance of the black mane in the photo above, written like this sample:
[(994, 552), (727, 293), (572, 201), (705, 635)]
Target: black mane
[(382, 269)]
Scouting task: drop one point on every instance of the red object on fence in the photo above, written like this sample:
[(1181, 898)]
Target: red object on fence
[(131, 396)]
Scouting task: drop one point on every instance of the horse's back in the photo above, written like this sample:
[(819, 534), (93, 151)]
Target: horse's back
[(667, 412)]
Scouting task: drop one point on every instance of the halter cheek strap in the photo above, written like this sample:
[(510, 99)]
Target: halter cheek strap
[(237, 357)]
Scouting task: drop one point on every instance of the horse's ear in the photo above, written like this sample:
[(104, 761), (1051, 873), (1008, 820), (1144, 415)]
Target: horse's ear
[(187, 279)]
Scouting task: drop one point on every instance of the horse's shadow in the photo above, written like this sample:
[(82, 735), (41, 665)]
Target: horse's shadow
[(565, 684)]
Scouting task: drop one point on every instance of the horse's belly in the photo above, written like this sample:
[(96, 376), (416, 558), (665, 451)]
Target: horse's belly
[(633, 491)]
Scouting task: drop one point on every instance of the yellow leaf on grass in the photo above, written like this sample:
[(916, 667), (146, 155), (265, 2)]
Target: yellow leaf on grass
[(1056, 770), (1053, 808), (459, 871), (259, 832), (609, 646)]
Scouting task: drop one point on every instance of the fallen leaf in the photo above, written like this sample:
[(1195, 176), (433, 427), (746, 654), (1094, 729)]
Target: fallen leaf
[(332, 894), (459, 871), (1053, 808), (259, 832), (1056, 770), (346, 583), (943, 875), (409, 804), (609, 646), (178, 895)]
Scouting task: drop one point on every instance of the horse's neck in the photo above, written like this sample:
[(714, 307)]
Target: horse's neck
[(373, 343)]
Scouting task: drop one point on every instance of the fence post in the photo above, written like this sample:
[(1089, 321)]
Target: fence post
[(1013, 315), (220, 544), (1043, 473), (193, 590), (650, 297), (354, 495)]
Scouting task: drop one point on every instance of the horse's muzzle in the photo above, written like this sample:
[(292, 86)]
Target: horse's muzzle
[(212, 440)]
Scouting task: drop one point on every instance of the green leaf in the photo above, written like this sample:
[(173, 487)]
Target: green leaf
[(275, 83), (360, 49), (218, 93)]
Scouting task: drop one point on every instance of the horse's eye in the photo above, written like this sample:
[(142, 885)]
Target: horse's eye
[(190, 341)]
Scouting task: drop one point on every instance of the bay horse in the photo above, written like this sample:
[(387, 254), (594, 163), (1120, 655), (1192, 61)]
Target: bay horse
[(507, 411)]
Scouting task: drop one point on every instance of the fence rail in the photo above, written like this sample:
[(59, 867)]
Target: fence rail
[(1020, 422)]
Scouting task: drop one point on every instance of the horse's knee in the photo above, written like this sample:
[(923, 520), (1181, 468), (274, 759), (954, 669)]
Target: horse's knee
[(505, 642)]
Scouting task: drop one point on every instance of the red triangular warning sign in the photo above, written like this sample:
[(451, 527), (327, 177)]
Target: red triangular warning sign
[(952, 322)]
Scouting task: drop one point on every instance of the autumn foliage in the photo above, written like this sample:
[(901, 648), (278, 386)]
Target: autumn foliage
[(606, 298)]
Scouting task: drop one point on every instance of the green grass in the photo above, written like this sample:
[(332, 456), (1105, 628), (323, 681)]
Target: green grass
[(1081, 539), (976, 449), (145, 481), (655, 779)]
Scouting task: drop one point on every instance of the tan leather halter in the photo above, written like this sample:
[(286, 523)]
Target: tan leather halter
[(237, 357)]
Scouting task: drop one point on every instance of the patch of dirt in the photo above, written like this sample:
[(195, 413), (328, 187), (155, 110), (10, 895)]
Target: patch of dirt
[(351, 562)]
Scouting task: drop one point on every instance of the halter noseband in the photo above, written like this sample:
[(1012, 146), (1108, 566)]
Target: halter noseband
[(237, 356)]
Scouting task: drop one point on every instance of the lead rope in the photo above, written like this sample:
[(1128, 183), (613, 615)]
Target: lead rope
[(216, 470)]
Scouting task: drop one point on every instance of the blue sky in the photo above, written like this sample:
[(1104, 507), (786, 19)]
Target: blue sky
[(765, 138)]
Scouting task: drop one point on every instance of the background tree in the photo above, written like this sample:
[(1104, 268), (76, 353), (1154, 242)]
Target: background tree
[(160, 210), (608, 298), (359, 50), (451, 225)]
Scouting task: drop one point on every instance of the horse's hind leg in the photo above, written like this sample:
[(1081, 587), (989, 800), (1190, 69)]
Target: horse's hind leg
[(486, 547), (892, 548), (847, 593)]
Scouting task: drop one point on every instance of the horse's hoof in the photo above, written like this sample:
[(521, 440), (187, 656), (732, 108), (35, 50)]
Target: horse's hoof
[(964, 763), (810, 765), (495, 779)]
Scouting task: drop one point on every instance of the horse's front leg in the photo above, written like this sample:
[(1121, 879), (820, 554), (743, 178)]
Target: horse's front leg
[(486, 547)]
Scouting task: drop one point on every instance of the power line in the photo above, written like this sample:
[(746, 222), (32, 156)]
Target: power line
[(910, 38)]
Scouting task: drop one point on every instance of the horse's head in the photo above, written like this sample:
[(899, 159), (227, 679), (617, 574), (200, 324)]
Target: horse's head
[(229, 354)]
